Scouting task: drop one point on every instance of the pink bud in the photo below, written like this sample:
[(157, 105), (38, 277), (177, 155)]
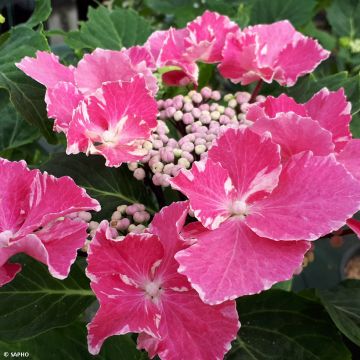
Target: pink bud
[(132, 209), (242, 97), (178, 102), (168, 168), (213, 107), (168, 103), (139, 174), (260, 98), (196, 98), (123, 224), (200, 141), (196, 112), (170, 111), (188, 119), (229, 112), (187, 155), (215, 95), (84, 215), (172, 143), (206, 92), (156, 179), (204, 107), (244, 107), (162, 114), (175, 170), (167, 154), (164, 138), (224, 119), (160, 104), (188, 106), (154, 160), (205, 117)]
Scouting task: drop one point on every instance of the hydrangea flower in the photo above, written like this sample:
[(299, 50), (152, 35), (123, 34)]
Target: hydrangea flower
[(328, 112), (179, 49), (267, 52), (34, 219), (114, 123), (139, 290), (256, 213), (67, 86)]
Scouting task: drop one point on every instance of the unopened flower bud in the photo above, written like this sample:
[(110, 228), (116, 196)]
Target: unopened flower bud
[(139, 174), (196, 112), (187, 119), (215, 95), (84, 215), (196, 98), (215, 115), (157, 167), (116, 215), (93, 225), (228, 97), (188, 146), (147, 145), (206, 92), (199, 149), (132, 166), (184, 163), (170, 111), (177, 152), (123, 224), (232, 103), (178, 115), (188, 107)]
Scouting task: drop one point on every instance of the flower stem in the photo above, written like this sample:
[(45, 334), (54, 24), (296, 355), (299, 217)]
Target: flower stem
[(256, 91)]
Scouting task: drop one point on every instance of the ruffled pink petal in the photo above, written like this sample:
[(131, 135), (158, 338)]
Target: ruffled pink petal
[(55, 245), (187, 320), (272, 39), (114, 123), (296, 134), (219, 264), (332, 110), (8, 272), (354, 225), (108, 65), (119, 271), (168, 49), (315, 196), (52, 198), (61, 102), (252, 161), (210, 191), (308, 54), (132, 257), (245, 69), (46, 69), (207, 34), (139, 56), (123, 309), (272, 106), (16, 181), (350, 157)]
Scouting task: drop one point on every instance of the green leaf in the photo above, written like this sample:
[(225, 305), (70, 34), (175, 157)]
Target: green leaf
[(109, 29), (14, 131), (35, 302), (327, 40), (344, 17), (73, 346), (184, 11), (297, 12), (26, 95), (111, 186), (283, 285), (281, 325), (343, 305), (41, 13)]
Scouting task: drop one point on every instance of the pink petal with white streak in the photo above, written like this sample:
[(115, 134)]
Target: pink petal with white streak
[(110, 66), (308, 54), (350, 157), (295, 134), (61, 102), (194, 330), (219, 264), (210, 191), (46, 69), (252, 161), (315, 196), (272, 106), (207, 34), (332, 110)]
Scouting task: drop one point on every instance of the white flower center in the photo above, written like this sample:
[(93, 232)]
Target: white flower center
[(239, 208), (153, 291), (109, 136)]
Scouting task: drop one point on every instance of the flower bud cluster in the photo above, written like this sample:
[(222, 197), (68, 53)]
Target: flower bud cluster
[(198, 117)]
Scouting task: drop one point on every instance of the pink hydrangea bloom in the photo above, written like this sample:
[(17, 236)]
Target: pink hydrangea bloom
[(206, 36), (67, 86), (114, 122), (247, 201), (267, 52), (201, 40), (33, 219), (139, 290), (325, 117)]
